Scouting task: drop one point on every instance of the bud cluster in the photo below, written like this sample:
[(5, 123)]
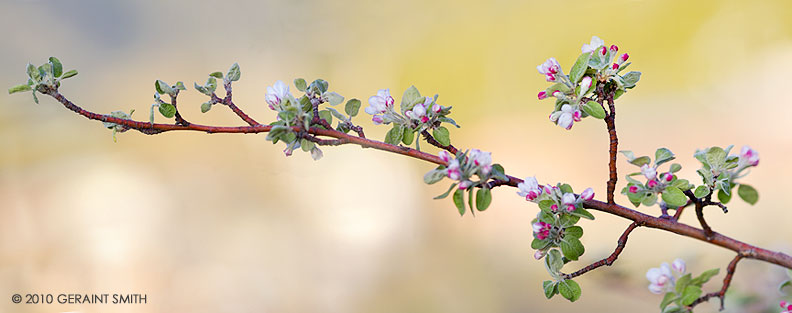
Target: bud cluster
[(681, 289), (665, 183), (720, 171), (470, 169)]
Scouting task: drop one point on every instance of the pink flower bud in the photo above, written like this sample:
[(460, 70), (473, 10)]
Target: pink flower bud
[(679, 266), (668, 177), (570, 207), (585, 83), (624, 57), (576, 116), (445, 156), (465, 184), (389, 101), (633, 189), (553, 69), (614, 48), (539, 254), (532, 195), (377, 119), (424, 119), (652, 184), (542, 95), (436, 108), (604, 50), (558, 94), (554, 208), (587, 194), (550, 77), (615, 66)]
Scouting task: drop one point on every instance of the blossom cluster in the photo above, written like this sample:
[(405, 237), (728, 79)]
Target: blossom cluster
[(786, 307), (462, 169), (598, 64), (531, 191), (720, 172), (662, 279)]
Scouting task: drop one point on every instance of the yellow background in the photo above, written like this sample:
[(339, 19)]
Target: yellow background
[(227, 223)]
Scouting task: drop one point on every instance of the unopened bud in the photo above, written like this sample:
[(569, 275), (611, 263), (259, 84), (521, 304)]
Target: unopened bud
[(542, 95)]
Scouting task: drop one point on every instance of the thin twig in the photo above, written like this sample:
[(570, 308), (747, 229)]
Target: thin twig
[(432, 141), (611, 258), (726, 282)]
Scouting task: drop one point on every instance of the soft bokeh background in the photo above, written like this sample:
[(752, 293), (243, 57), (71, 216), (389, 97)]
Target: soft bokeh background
[(222, 223)]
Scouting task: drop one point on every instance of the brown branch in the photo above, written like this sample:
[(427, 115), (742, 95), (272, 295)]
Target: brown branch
[(179, 119), (679, 210), (227, 100), (610, 122), (699, 212), (611, 258), (432, 141), (747, 250), (726, 282)]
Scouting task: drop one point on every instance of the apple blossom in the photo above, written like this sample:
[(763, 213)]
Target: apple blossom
[(549, 68), (587, 194), (660, 279), (380, 102), (541, 230), (649, 172), (453, 170), (445, 156), (749, 156), (377, 119), (596, 42), (603, 51), (651, 183), (786, 306), (276, 93), (542, 95), (633, 189), (569, 201), (482, 159), (585, 84), (465, 184), (624, 57), (667, 176), (529, 188), (679, 266), (539, 254), (565, 117), (615, 66), (614, 48), (436, 108)]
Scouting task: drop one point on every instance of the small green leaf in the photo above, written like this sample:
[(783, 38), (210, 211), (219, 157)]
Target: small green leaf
[(663, 155), (163, 88), (574, 231), (408, 136), (683, 282), (631, 78), (550, 288), (333, 98), (569, 289), (206, 106), (674, 197), (33, 73), (180, 86), (690, 294), (641, 161), (445, 194), (704, 277), (572, 248), (19, 88), (218, 75), (57, 67), (723, 197), (307, 145), (441, 135), (470, 199), (202, 89), (352, 107), (301, 84), (675, 167), (581, 212), (566, 188), (748, 193), (577, 71), (167, 110), (394, 135), (701, 191), (483, 199), (594, 109), (327, 116), (537, 244), (234, 73), (69, 74), (784, 285), (410, 96), (459, 201), (667, 299)]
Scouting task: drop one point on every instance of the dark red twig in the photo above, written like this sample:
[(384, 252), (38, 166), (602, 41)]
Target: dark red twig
[(610, 122), (726, 282), (747, 250), (611, 258), (432, 141)]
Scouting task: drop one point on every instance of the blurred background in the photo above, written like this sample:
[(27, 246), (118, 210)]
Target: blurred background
[(227, 223)]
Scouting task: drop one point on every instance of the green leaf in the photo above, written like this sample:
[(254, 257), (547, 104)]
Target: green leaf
[(577, 71), (537, 244), (180, 86), (675, 167), (19, 88), (445, 194), (327, 116), (663, 155), (307, 145), (574, 231), (441, 135), (434, 176), (483, 199), (704, 277), (683, 282), (572, 248), (352, 107), (202, 89), (569, 289), (218, 75), (715, 157), (701, 191), (410, 96), (459, 201), (69, 74), (682, 184), (723, 197), (394, 135), (550, 288), (784, 285), (594, 109), (641, 161), (631, 78), (206, 106), (470, 198), (234, 73), (674, 197), (566, 188), (581, 212), (748, 193), (628, 154), (333, 98), (301, 84), (667, 299), (57, 67), (690, 294), (163, 88), (167, 110), (33, 73), (408, 136)]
